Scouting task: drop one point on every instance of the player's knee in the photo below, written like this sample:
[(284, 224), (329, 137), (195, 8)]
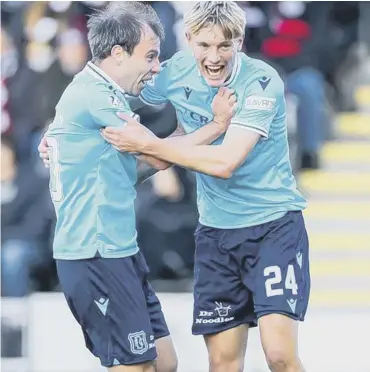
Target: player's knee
[(226, 349), (225, 362), (276, 360), (279, 360), (279, 340)]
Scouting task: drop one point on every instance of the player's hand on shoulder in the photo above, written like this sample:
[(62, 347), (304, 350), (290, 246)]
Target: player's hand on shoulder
[(130, 138), (43, 151), (224, 106)]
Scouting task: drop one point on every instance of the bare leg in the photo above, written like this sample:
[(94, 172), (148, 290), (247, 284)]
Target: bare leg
[(167, 358), (226, 350), (279, 337)]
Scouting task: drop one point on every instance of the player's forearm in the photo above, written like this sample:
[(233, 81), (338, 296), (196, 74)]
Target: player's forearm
[(211, 160), (149, 165), (202, 136)]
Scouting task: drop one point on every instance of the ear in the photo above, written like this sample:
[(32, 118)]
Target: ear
[(188, 37), (239, 44), (118, 53)]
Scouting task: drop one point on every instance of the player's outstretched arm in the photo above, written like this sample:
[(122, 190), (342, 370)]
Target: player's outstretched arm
[(258, 109), (217, 160)]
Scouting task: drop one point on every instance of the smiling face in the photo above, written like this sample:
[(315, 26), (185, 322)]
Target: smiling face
[(215, 54), (136, 69), (215, 32)]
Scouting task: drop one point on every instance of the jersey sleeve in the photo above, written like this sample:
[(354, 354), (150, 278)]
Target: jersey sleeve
[(155, 91), (260, 104), (103, 105)]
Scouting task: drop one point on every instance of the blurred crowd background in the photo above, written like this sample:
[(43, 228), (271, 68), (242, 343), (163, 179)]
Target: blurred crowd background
[(321, 50)]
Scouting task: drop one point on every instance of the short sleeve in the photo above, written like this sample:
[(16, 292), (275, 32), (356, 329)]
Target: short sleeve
[(103, 105), (260, 104), (155, 91)]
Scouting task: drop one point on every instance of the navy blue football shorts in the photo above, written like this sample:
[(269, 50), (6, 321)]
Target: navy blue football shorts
[(245, 273), (118, 311)]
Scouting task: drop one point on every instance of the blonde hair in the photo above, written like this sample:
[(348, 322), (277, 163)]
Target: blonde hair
[(226, 14)]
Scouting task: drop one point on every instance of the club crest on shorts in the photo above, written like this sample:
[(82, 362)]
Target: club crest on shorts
[(138, 342)]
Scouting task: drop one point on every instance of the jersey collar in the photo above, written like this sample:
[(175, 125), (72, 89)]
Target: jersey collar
[(234, 72), (98, 73)]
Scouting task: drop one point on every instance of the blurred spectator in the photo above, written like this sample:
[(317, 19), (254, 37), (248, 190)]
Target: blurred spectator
[(289, 35), (21, 82), (167, 14), (72, 55), (293, 37), (9, 65), (26, 214)]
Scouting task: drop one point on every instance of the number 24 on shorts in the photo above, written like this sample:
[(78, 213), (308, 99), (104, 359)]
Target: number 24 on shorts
[(290, 280)]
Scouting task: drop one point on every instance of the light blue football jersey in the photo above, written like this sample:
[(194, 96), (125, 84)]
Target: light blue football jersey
[(91, 183), (263, 188)]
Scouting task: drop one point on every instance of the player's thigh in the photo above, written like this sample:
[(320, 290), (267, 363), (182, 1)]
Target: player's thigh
[(282, 276), (107, 299), (279, 338), (227, 349)]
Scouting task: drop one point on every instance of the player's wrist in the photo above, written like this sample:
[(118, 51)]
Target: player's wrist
[(151, 145), (220, 123)]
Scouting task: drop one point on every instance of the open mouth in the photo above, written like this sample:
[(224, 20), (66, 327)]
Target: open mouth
[(214, 71), (145, 80)]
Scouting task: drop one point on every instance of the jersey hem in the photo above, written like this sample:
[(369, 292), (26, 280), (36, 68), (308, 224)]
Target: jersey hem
[(103, 255), (273, 217)]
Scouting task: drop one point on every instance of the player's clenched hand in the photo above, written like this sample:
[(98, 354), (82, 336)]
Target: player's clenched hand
[(43, 152), (130, 138), (224, 106)]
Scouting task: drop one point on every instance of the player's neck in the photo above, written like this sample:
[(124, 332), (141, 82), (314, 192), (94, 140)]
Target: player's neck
[(233, 73), (106, 66), (110, 69), (108, 73)]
